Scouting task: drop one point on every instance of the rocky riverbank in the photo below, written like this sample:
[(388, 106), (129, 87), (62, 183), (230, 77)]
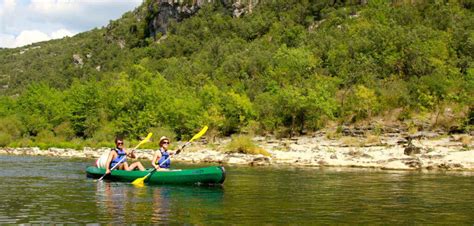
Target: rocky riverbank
[(420, 151)]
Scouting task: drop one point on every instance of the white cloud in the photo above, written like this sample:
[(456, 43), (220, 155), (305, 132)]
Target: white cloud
[(28, 37), (83, 14), (26, 21), (31, 36), (61, 33), (52, 6), (7, 6)]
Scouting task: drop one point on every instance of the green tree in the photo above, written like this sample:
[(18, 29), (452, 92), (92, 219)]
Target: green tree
[(42, 108)]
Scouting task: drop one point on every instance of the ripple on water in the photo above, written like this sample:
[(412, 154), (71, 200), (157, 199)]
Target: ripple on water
[(46, 190)]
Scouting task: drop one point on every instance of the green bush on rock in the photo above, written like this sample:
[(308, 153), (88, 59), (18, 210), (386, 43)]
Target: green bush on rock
[(244, 144)]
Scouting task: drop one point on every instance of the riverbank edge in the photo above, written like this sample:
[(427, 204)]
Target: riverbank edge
[(387, 152)]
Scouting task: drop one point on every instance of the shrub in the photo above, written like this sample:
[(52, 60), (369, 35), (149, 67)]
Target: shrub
[(350, 141), (24, 142), (372, 140), (158, 132), (45, 136), (64, 131), (363, 102), (244, 144), (466, 140), (11, 126), (252, 128), (104, 144), (333, 134), (5, 139), (105, 133), (41, 145), (162, 131)]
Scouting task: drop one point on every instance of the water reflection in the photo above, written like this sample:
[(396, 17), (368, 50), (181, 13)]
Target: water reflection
[(56, 191), (122, 203), (161, 203), (174, 204), (110, 200)]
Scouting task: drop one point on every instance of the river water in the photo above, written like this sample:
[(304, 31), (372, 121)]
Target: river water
[(54, 190)]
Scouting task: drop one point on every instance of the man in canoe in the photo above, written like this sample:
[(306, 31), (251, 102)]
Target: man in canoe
[(118, 155), (161, 158)]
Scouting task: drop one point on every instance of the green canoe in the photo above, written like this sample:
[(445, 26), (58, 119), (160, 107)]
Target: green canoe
[(208, 175)]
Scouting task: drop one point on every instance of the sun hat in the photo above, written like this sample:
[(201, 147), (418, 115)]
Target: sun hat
[(163, 138)]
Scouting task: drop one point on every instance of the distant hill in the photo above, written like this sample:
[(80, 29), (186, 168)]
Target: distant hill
[(91, 53), (280, 67)]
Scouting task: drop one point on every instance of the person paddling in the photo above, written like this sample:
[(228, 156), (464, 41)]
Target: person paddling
[(118, 155), (161, 158)]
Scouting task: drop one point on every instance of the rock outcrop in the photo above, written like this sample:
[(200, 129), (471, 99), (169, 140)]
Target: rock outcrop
[(162, 12), (78, 61)]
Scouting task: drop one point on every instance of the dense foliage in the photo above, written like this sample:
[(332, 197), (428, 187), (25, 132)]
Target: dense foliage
[(287, 68)]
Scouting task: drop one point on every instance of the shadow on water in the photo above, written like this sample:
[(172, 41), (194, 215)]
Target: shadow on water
[(122, 202)]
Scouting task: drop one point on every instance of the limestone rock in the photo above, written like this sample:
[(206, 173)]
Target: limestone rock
[(164, 11), (78, 60), (260, 161), (412, 150)]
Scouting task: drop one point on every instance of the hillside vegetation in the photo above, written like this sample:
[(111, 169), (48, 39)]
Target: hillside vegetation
[(288, 68)]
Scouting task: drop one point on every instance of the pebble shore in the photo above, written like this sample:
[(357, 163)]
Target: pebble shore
[(382, 152)]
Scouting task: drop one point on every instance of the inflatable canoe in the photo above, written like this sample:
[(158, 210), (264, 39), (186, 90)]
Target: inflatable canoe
[(208, 175)]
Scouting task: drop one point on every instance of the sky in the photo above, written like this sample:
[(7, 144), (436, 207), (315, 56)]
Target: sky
[(23, 22)]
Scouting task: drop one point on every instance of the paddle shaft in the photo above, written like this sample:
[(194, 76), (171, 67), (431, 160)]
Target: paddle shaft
[(182, 147), (121, 160), (155, 168), (165, 161)]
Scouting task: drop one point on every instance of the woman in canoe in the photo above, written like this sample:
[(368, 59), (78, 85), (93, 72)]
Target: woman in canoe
[(161, 158), (118, 155)]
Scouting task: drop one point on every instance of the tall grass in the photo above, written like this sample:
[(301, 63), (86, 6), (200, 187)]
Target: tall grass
[(244, 144)]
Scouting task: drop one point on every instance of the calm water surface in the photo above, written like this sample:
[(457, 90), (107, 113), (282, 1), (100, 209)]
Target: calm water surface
[(51, 190)]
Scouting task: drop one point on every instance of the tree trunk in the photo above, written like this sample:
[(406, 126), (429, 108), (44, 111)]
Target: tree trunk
[(293, 122)]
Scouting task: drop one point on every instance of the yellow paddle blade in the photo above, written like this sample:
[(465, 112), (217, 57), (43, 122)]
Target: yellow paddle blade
[(198, 135), (139, 181), (147, 138)]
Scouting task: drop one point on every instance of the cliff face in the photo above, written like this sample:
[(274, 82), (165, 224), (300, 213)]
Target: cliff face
[(161, 12)]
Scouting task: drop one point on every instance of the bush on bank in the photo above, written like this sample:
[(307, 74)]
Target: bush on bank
[(244, 144)]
